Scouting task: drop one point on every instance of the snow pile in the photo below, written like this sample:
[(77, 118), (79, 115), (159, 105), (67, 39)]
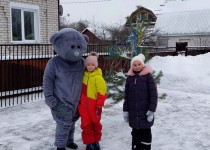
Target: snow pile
[(184, 73)]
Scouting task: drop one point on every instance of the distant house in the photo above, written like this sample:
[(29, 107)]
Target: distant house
[(97, 36), (28, 21), (146, 16), (143, 14), (93, 39), (186, 23)]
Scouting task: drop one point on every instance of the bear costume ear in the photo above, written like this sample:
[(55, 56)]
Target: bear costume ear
[(86, 38), (54, 37)]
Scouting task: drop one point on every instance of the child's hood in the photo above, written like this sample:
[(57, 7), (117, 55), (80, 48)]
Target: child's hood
[(146, 69), (97, 71)]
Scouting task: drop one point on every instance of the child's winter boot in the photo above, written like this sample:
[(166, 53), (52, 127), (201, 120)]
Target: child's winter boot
[(90, 147), (72, 146), (97, 146), (61, 148)]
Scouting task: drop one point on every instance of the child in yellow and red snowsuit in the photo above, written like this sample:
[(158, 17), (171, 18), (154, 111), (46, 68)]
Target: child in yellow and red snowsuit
[(91, 102)]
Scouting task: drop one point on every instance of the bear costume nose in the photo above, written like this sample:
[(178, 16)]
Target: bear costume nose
[(73, 55), (76, 53)]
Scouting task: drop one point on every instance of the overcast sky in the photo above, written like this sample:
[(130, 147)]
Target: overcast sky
[(109, 12)]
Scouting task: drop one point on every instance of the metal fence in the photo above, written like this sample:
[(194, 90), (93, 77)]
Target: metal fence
[(22, 67)]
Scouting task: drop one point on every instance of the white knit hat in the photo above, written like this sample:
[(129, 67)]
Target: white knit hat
[(140, 58)]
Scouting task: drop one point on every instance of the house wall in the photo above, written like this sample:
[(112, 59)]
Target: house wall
[(48, 12), (195, 40)]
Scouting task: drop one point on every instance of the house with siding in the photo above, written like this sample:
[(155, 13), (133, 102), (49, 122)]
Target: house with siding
[(28, 21), (184, 22)]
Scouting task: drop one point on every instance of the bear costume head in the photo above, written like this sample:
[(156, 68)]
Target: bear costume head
[(69, 44)]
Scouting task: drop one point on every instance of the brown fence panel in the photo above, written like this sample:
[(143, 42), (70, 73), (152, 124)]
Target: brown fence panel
[(193, 51), (152, 54), (21, 74), (105, 64), (21, 71)]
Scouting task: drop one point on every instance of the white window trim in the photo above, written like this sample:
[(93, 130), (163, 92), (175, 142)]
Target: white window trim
[(31, 8)]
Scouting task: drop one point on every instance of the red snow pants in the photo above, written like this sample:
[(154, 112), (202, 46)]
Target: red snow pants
[(90, 122)]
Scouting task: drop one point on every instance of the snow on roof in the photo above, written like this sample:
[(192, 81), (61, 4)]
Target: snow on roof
[(192, 22), (88, 28), (184, 17), (99, 32)]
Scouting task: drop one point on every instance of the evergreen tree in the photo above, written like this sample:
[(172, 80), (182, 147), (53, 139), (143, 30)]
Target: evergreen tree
[(116, 80), (138, 35)]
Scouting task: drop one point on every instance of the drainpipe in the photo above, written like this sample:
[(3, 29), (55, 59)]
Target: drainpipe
[(58, 20), (58, 15)]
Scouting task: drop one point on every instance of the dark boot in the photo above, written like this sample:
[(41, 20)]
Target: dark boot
[(90, 147), (61, 148), (72, 146), (97, 146)]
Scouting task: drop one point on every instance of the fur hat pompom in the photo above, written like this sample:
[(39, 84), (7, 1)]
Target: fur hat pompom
[(140, 58)]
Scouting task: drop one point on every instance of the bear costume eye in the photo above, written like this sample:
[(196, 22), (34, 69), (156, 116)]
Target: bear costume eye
[(72, 46), (78, 46)]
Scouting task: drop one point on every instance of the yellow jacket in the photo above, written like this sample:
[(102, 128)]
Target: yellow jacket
[(94, 86)]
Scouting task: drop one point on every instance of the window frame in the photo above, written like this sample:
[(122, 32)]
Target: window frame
[(29, 8)]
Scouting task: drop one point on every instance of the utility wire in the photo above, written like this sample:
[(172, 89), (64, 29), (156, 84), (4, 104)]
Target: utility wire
[(179, 12), (94, 1)]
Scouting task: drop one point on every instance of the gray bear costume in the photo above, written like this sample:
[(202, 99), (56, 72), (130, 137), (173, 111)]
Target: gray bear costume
[(62, 82)]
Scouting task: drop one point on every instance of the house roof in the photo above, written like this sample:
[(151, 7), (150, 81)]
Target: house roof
[(91, 32), (98, 33), (189, 17), (142, 9), (89, 29)]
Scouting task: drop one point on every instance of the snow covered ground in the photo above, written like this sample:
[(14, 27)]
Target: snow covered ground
[(182, 119)]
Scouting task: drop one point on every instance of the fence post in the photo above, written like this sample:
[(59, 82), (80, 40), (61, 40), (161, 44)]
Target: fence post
[(186, 51)]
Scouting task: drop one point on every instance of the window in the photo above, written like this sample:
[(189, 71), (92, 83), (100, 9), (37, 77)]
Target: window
[(163, 42), (144, 16), (24, 23)]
